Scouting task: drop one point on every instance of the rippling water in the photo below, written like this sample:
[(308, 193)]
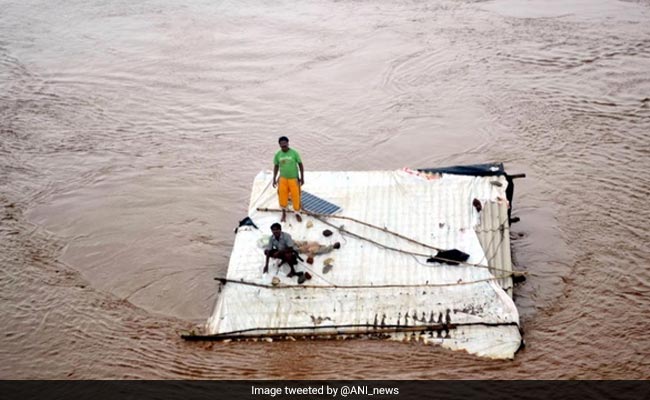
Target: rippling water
[(130, 135)]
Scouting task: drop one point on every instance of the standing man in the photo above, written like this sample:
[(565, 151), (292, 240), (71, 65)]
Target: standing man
[(287, 161)]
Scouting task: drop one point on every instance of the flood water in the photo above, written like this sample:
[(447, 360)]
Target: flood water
[(130, 134)]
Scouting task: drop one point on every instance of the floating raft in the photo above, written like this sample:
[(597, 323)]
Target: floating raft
[(379, 282)]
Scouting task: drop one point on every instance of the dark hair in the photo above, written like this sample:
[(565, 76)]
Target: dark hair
[(283, 139), (276, 226)]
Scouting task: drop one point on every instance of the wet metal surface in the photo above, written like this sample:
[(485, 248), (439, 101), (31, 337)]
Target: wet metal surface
[(383, 265)]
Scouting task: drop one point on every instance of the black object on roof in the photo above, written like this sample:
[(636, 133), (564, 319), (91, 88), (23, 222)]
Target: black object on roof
[(451, 257), (246, 222)]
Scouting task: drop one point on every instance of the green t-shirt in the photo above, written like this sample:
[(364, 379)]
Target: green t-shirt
[(288, 162)]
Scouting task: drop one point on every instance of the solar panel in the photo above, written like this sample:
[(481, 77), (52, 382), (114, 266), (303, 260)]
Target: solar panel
[(317, 205)]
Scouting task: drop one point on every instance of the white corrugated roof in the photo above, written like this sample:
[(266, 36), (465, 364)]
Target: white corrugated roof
[(437, 212)]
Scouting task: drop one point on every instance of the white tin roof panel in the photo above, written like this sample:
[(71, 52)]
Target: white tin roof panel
[(437, 212)]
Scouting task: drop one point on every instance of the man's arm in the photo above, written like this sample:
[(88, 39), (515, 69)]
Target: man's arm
[(302, 174), (267, 253), (275, 175), (266, 263)]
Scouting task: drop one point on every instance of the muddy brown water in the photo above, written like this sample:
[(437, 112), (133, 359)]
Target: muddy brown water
[(130, 135)]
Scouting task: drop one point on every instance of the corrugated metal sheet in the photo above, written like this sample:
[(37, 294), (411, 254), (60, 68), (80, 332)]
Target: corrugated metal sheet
[(494, 235), (478, 315)]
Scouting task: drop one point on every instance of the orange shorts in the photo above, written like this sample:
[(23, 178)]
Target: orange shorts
[(286, 187)]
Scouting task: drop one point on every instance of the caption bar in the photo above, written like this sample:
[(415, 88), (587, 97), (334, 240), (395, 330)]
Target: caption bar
[(324, 390)]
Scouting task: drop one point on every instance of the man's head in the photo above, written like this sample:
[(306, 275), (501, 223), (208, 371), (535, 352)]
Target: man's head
[(284, 143), (276, 228)]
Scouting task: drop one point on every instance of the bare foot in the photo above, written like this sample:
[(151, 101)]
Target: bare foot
[(284, 216), (298, 217)]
